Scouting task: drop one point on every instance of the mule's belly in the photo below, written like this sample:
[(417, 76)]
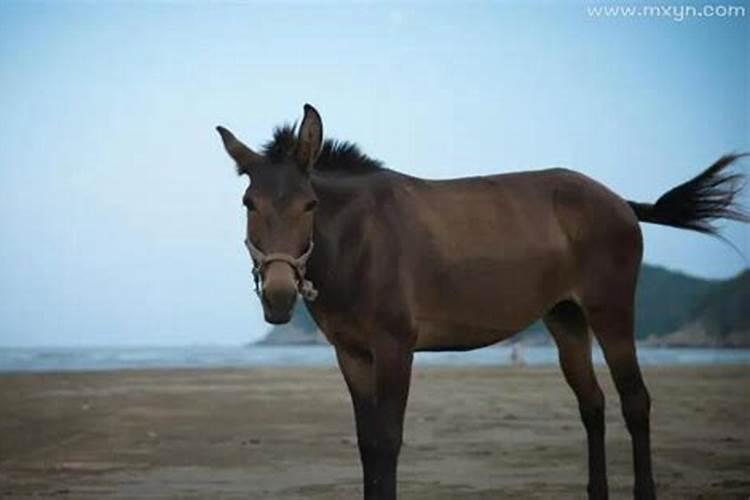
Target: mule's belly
[(463, 326), (483, 299), (437, 336)]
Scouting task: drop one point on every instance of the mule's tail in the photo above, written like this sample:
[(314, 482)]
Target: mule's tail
[(697, 203)]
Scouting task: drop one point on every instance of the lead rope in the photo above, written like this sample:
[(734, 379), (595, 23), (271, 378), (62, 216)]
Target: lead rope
[(256, 278), (305, 287)]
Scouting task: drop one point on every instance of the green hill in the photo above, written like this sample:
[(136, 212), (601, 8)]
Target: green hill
[(665, 300), (672, 308), (726, 310), (300, 330), (721, 318)]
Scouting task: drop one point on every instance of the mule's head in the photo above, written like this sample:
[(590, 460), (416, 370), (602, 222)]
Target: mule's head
[(280, 204)]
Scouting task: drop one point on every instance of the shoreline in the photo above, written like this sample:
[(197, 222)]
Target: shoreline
[(94, 359), (230, 369)]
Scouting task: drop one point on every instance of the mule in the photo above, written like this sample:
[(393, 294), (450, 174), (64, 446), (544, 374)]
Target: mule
[(390, 264)]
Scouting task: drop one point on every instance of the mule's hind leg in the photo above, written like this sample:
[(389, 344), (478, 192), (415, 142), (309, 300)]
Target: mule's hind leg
[(567, 324), (613, 327)]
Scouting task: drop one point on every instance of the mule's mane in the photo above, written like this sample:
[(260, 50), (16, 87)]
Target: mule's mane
[(335, 156)]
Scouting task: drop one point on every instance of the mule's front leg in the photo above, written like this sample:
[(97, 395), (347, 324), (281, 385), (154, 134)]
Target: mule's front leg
[(359, 374), (392, 378), (379, 385)]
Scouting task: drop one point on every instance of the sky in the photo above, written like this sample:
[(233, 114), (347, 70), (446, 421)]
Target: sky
[(120, 216)]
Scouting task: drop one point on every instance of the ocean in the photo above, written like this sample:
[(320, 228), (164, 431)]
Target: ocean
[(117, 358)]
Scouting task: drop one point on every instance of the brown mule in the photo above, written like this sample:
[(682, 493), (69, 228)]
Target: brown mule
[(397, 264)]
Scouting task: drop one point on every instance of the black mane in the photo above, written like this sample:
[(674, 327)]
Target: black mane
[(335, 156)]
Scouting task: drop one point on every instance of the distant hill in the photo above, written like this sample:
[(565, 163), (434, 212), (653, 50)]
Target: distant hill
[(721, 318), (672, 308), (726, 310), (300, 330), (665, 300)]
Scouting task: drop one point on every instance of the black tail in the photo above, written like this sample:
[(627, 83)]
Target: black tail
[(695, 204)]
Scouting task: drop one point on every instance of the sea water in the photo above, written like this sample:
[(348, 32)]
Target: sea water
[(115, 358)]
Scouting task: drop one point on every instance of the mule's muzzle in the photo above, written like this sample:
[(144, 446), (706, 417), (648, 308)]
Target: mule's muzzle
[(278, 306), (278, 278), (279, 293)]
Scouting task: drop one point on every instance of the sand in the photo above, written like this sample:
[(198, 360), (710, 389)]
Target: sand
[(288, 433)]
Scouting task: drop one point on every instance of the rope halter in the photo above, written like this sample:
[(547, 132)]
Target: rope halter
[(305, 287)]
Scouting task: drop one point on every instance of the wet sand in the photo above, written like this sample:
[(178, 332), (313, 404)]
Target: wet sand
[(288, 433)]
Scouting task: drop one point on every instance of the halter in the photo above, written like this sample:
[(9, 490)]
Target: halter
[(305, 287)]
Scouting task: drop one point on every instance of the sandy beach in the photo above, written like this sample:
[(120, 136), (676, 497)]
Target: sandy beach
[(288, 433)]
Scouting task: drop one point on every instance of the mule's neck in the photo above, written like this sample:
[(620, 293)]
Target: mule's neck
[(334, 195), (338, 218)]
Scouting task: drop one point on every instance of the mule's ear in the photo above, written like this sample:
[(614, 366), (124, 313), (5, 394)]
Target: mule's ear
[(310, 138), (242, 155)]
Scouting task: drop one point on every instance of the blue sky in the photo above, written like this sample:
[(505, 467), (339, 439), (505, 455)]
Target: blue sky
[(120, 215)]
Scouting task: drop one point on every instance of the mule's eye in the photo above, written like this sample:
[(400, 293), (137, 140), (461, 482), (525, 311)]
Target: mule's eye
[(249, 204), (310, 205)]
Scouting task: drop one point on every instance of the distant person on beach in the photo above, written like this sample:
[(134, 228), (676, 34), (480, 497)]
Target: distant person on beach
[(516, 354)]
